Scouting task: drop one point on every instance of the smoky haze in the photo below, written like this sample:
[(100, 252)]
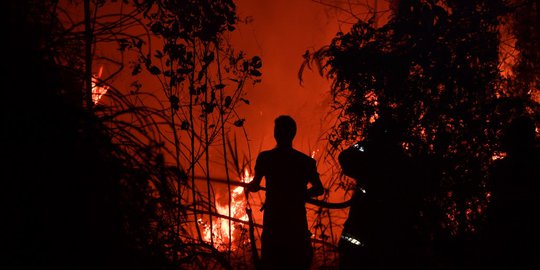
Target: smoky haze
[(280, 32)]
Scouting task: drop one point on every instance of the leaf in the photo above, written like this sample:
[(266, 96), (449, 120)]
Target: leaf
[(174, 100), (239, 122), (255, 73), (219, 86), (136, 70), (208, 107), (228, 101), (256, 62), (156, 28), (200, 75), (154, 70), (245, 100)]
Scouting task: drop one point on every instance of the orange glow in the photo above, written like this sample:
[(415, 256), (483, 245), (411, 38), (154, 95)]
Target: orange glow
[(221, 229), (98, 90), (498, 155)]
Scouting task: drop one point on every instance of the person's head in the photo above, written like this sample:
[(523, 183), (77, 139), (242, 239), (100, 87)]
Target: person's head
[(284, 130)]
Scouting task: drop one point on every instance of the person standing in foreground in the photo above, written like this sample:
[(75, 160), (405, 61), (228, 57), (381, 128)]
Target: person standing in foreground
[(285, 240)]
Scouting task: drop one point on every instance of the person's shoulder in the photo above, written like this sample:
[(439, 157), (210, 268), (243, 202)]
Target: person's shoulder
[(302, 156), (266, 152), (264, 155)]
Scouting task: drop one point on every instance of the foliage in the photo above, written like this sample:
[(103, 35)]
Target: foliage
[(202, 77), (434, 67), (64, 197), (125, 176), (525, 27)]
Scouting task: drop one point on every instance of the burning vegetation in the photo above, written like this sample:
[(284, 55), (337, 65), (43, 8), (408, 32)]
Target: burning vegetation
[(226, 233), (155, 128)]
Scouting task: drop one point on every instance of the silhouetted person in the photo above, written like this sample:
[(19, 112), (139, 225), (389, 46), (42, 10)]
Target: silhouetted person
[(513, 238), (379, 231), (285, 238)]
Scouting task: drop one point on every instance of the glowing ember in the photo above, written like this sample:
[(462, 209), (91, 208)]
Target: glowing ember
[(98, 90), (221, 230), (313, 153), (498, 156)]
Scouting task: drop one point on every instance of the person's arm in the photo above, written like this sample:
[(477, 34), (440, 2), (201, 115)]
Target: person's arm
[(255, 184), (316, 188)]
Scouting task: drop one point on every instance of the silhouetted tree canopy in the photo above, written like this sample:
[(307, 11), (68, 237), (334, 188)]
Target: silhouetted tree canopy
[(89, 189), (434, 66)]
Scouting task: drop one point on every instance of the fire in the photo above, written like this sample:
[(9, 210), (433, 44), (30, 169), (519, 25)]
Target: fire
[(98, 90), (313, 153), (221, 229), (498, 156)]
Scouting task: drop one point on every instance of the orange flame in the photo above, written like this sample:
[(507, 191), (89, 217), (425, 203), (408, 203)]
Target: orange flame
[(98, 90), (221, 229), (313, 153)]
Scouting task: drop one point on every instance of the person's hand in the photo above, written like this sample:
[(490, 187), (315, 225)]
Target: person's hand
[(253, 187)]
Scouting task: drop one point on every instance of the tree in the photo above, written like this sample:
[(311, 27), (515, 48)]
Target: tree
[(203, 79), (434, 67), (114, 167)]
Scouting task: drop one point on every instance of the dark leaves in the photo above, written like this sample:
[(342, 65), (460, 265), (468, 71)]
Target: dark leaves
[(136, 70), (256, 62), (228, 101), (431, 67), (174, 100), (208, 107), (255, 73), (154, 70), (239, 122), (157, 28)]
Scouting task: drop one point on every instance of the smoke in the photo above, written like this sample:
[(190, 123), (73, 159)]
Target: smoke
[(280, 32)]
